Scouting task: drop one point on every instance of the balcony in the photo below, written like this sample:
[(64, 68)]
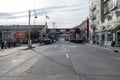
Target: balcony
[(106, 10), (93, 7), (93, 26), (105, 1), (109, 17), (115, 5), (118, 3), (93, 16)]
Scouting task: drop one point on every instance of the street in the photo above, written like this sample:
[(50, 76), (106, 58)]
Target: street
[(61, 61)]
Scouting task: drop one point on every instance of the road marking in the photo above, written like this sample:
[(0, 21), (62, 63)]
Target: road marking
[(106, 48), (22, 67), (19, 60), (55, 46), (73, 46), (67, 56)]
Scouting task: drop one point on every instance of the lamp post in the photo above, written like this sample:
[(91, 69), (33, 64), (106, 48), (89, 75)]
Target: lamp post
[(29, 39)]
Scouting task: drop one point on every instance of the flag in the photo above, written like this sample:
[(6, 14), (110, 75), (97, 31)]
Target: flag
[(47, 17)]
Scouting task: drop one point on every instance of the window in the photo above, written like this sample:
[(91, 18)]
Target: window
[(114, 3), (105, 18), (118, 38), (105, 7), (109, 37), (105, 0), (114, 14), (110, 5), (118, 2)]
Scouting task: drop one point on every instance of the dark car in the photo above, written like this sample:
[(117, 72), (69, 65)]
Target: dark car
[(47, 41)]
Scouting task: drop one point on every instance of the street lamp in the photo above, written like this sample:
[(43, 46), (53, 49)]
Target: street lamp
[(29, 39)]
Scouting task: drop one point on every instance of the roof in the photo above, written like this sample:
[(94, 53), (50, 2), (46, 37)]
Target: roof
[(19, 27)]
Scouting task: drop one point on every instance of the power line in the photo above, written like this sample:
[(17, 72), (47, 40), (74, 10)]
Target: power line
[(40, 11)]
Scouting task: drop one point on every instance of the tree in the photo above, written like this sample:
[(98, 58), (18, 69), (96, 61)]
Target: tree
[(34, 34)]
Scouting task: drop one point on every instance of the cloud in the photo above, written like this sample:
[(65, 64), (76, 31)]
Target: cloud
[(5, 15), (74, 9), (40, 11)]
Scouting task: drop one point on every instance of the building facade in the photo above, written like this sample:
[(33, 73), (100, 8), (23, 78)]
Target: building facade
[(110, 32), (84, 30), (107, 30), (17, 31), (95, 19)]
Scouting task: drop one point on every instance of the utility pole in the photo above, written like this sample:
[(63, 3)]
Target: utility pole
[(54, 31), (29, 39), (53, 25)]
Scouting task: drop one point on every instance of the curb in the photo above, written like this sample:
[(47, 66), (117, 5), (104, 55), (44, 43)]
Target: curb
[(18, 50), (114, 50), (29, 48)]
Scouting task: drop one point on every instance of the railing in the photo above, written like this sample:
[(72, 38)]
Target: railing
[(105, 1), (93, 26), (93, 16), (93, 7)]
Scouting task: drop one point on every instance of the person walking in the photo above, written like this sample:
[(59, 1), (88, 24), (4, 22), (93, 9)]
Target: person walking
[(9, 44), (2, 45)]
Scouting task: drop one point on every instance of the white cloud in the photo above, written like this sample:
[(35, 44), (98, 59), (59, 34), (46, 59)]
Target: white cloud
[(63, 12)]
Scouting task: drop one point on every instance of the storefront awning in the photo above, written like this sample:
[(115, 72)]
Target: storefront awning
[(116, 29), (107, 30)]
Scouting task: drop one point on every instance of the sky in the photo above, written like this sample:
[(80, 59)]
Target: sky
[(64, 13)]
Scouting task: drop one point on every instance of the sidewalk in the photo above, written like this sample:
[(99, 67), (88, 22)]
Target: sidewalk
[(114, 49), (9, 51)]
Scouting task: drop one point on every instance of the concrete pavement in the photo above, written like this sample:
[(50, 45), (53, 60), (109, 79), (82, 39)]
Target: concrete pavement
[(12, 65), (61, 61), (9, 51)]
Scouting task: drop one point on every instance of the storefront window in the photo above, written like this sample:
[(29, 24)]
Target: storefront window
[(109, 37), (118, 37), (105, 7), (103, 37)]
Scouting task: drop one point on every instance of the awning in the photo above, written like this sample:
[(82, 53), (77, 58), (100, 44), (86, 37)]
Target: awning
[(107, 30), (116, 28)]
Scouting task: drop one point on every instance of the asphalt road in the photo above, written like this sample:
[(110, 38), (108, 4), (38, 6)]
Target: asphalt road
[(61, 61)]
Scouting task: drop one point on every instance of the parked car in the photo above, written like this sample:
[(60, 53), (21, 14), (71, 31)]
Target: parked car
[(47, 41)]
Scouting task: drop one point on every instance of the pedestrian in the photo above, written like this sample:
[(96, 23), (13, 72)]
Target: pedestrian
[(2, 44), (14, 44), (8, 44)]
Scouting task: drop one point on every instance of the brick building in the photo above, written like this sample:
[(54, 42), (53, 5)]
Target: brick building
[(84, 30)]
